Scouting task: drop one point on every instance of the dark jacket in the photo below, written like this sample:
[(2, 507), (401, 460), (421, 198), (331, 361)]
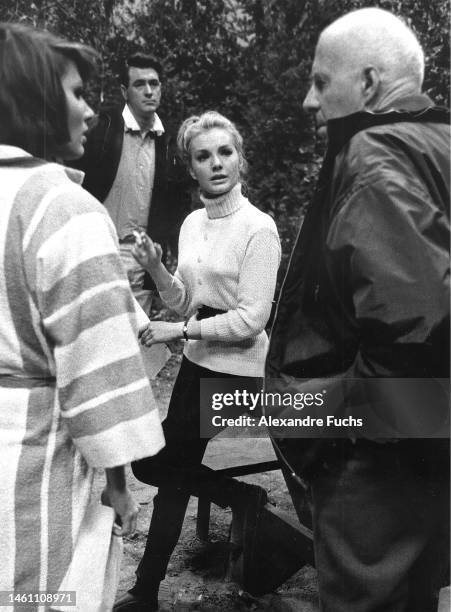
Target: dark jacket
[(171, 199), (366, 295)]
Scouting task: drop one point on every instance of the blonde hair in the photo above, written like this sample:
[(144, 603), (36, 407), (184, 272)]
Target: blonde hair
[(195, 125)]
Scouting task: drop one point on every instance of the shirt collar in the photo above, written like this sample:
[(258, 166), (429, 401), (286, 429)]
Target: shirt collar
[(10, 152), (130, 123)]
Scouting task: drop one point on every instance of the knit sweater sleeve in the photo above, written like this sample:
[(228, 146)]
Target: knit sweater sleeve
[(177, 297), (255, 292)]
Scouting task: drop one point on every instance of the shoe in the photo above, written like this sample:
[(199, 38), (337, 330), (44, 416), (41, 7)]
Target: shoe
[(132, 603)]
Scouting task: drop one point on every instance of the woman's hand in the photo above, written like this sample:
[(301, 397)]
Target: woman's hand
[(117, 495), (146, 252), (161, 331)]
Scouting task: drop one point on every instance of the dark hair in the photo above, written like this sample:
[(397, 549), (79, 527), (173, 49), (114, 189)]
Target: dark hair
[(32, 100), (139, 60)]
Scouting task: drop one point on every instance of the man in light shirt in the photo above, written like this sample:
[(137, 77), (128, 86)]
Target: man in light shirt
[(131, 167)]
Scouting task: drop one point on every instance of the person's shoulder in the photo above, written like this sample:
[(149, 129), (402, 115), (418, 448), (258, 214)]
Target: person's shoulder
[(195, 218), (374, 147), (54, 194), (169, 137), (196, 215), (365, 159), (46, 177), (365, 145), (170, 130), (365, 141), (258, 219), (64, 186)]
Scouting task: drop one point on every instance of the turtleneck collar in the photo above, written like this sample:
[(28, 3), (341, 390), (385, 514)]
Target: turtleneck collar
[(225, 204)]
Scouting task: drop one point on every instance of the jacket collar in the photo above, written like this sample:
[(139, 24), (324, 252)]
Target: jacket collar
[(411, 108), (412, 103)]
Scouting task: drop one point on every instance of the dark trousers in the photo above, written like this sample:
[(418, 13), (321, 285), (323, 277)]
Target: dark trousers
[(380, 523), (178, 472)]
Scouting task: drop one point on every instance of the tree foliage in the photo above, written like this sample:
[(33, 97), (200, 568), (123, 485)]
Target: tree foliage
[(249, 59)]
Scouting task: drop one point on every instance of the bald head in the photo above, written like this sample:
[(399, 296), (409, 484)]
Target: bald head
[(364, 60), (372, 37)]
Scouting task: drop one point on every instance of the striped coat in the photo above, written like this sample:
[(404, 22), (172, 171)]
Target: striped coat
[(73, 390)]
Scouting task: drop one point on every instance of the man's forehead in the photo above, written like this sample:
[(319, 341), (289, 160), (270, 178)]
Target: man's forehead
[(146, 74), (331, 55), (321, 63)]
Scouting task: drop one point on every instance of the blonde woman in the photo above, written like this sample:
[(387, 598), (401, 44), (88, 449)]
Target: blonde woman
[(229, 253)]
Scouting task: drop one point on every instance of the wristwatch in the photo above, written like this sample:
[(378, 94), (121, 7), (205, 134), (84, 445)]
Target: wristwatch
[(185, 330)]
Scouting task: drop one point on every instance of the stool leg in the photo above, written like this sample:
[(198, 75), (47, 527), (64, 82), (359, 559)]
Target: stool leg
[(203, 518)]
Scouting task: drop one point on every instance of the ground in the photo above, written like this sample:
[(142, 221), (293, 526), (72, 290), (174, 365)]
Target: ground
[(197, 576)]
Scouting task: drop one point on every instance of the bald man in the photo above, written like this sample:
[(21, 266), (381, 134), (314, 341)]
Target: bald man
[(363, 320)]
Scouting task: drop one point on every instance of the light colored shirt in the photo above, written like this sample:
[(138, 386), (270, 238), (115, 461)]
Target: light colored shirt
[(229, 254), (129, 199)]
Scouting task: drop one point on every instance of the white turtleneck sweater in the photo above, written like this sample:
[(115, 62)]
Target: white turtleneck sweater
[(229, 253)]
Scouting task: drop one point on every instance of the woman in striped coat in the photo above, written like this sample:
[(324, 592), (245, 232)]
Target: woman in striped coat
[(73, 389)]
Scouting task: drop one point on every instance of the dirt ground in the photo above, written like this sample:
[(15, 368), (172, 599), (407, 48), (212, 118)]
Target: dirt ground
[(198, 576)]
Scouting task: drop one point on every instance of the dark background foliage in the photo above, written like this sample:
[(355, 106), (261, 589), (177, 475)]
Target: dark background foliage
[(249, 59)]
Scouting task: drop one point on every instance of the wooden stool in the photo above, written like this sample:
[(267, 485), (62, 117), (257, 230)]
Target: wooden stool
[(274, 551), (203, 505)]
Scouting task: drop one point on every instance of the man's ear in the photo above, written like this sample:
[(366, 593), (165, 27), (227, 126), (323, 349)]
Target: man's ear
[(370, 84), (124, 92)]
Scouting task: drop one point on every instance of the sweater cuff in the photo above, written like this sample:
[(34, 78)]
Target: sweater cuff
[(208, 329), (174, 295), (217, 328)]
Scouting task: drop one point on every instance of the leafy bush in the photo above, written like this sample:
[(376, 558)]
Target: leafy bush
[(249, 59)]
